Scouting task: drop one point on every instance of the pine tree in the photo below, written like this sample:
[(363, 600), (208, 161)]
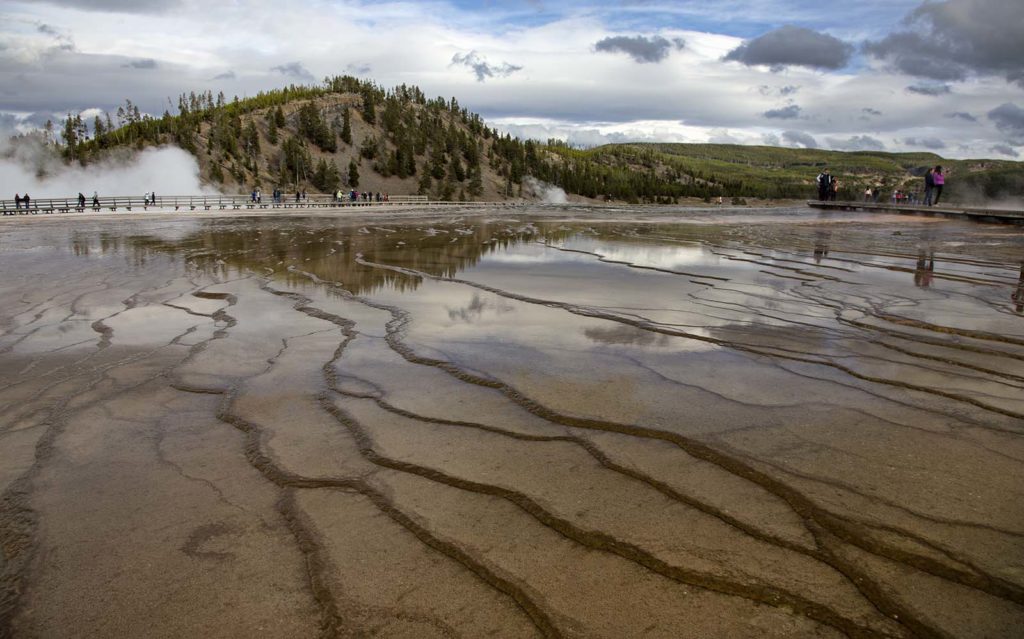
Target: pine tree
[(369, 108), (272, 130), (437, 162), (476, 182), (346, 127), (332, 179), (326, 177), (320, 174), (353, 173), (97, 127), (455, 169), (425, 183), (252, 139), (447, 190), (313, 127), (409, 158), (368, 149)]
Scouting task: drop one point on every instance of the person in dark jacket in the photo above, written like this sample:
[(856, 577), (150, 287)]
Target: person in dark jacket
[(824, 185), (929, 185)]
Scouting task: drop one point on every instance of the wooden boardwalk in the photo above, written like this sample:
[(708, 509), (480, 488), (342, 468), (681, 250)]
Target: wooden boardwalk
[(166, 204), (981, 215)]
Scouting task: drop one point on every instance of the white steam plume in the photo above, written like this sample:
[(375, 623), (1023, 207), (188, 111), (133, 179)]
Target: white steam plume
[(548, 193), (29, 167)]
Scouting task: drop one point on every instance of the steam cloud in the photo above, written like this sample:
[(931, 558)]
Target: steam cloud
[(34, 169), (548, 193)]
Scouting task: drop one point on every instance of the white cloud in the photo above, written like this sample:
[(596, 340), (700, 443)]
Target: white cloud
[(564, 88)]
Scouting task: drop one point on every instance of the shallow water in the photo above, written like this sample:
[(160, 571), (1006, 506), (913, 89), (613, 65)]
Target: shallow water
[(559, 422)]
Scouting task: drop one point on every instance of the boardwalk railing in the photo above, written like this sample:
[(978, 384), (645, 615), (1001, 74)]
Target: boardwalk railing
[(979, 214), (206, 203)]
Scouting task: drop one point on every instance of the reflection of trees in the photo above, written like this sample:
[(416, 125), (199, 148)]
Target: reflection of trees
[(220, 247), (476, 307), (626, 335)]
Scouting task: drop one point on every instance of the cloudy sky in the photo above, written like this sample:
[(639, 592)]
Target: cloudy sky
[(896, 75)]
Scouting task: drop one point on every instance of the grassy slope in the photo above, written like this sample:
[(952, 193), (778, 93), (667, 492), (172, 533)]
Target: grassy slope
[(765, 167)]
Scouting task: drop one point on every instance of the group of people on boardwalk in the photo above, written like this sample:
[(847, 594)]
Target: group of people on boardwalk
[(96, 200), (25, 201), (277, 196), (934, 181), (828, 186), (356, 196)]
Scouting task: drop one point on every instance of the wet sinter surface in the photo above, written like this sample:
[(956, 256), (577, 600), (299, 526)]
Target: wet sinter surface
[(559, 423)]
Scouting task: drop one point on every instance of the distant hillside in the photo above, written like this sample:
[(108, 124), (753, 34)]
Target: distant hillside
[(778, 173), (350, 133)]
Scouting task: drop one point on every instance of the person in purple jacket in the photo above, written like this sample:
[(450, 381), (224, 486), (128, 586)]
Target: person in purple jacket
[(939, 180)]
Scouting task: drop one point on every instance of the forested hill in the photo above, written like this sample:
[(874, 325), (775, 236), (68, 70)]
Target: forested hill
[(350, 133)]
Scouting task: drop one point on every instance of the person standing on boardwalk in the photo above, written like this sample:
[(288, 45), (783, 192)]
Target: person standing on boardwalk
[(81, 201), (833, 190), (17, 200), (824, 184), (939, 180), (95, 200), (929, 186)]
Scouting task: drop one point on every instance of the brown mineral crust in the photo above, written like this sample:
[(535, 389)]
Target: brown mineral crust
[(557, 423)]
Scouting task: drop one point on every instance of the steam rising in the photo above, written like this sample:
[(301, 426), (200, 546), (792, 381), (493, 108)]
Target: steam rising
[(547, 193), (30, 167)]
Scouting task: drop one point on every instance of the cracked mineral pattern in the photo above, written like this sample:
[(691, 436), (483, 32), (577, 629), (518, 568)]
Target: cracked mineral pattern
[(557, 423)]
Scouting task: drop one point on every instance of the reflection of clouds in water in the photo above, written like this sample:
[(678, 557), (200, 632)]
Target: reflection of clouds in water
[(623, 335), (664, 257), (508, 257), (477, 307)]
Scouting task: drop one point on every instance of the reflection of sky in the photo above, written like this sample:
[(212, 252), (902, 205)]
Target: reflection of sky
[(761, 290), (454, 316), (671, 257), (532, 255)]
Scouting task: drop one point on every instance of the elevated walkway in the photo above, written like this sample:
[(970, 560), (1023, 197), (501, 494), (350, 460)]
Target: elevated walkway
[(1004, 216), (213, 202)]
